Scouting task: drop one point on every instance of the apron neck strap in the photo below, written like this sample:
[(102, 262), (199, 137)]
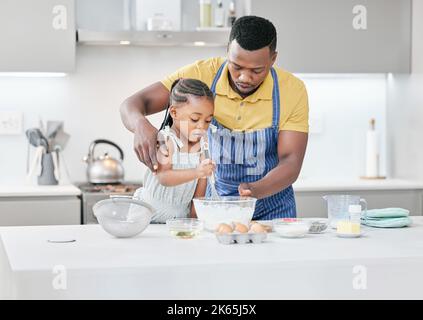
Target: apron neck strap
[(217, 77), (275, 99)]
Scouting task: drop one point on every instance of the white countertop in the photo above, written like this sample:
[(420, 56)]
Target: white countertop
[(155, 266), (35, 191), (355, 184), (301, 185)]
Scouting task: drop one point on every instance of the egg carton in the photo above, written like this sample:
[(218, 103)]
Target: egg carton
[(241, 238)]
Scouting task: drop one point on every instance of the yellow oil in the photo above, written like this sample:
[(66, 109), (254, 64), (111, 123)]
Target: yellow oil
[(184, 234)]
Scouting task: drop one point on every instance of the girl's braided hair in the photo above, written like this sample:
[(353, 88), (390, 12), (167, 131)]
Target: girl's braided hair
[(179, 92)]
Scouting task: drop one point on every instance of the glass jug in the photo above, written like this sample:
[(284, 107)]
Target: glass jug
[(338, 206)]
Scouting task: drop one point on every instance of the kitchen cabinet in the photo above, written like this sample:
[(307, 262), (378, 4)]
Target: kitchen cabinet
[(111, 22), (37, 36), (154, 38), (311, 204), (120, 15), (333, 36), (40, 210)]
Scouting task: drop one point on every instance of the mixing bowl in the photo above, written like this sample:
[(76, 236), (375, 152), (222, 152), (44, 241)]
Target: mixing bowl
[(123, 217), (185, 228), (224, 210)]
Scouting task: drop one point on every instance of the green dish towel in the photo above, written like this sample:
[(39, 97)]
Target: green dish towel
[(386, 218)]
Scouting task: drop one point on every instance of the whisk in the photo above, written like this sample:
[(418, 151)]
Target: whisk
[(212, 180)]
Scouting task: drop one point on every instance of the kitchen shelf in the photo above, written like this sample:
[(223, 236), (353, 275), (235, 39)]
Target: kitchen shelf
[(154, 38)]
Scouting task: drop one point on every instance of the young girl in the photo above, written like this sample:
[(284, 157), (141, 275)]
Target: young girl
[(182, 172)]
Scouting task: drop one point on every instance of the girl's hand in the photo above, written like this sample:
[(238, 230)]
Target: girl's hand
[(205, 168), (245, 190)]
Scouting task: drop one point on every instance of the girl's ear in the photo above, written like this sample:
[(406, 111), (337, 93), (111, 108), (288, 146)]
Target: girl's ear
[(172, 112)]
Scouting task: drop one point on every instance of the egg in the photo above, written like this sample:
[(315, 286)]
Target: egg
[(257, 227), (224, 228), (268, 228), (241, 228)]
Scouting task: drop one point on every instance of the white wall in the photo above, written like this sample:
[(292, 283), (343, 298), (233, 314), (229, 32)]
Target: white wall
[(88, 102), (342, 106), (405, 109)]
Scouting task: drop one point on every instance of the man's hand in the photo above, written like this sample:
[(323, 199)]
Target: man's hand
[(134, 110), (244, 190), (145, 144), (291, 150)]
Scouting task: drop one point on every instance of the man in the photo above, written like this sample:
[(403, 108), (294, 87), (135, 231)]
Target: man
[(260, 119)]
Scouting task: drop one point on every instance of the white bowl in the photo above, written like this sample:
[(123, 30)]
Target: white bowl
[(123, 217), (291, 228), (224, 210)]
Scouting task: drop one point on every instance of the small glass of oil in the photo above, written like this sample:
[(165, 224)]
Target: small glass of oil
[(185, 228)]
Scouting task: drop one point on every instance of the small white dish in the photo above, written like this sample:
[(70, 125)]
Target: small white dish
[(350, 235), (318, 226), (296, 236), (291, 227)]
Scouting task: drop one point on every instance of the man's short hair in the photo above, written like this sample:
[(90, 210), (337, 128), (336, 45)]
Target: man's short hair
[(254, 33)]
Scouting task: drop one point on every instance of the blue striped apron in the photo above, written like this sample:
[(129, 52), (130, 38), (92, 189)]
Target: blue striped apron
[(247, 157)]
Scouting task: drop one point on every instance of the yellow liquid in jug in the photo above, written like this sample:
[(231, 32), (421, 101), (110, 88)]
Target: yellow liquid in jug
[(205, 15)]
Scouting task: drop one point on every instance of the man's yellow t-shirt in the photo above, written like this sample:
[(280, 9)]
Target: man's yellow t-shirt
[(255, 111)]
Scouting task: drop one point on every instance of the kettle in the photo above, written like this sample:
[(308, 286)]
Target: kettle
[(104, 169)]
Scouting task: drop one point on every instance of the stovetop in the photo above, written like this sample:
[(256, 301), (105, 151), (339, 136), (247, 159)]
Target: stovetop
[(125, 187)]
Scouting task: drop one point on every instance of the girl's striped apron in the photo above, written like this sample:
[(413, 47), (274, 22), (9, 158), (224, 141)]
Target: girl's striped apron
[(247, 157)]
